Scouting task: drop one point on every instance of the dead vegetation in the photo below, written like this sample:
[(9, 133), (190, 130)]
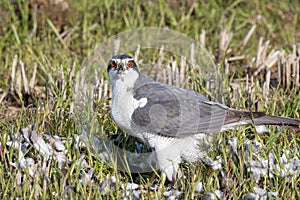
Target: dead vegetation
[(264, 72)]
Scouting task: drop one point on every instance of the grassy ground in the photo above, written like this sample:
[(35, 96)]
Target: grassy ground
[(56, 41)]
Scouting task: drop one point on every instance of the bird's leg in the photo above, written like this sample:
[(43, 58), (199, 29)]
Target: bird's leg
[(169, 184)]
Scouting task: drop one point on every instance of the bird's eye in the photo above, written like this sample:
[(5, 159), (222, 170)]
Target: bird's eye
[(113, 64), (130, 64)]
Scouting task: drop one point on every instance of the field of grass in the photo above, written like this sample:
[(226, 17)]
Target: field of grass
[(43, 45)]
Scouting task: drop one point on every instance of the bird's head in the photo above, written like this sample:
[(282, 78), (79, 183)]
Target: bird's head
[(122, 67)]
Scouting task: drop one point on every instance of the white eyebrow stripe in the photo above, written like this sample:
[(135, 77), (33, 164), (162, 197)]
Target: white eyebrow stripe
[(125, 60)]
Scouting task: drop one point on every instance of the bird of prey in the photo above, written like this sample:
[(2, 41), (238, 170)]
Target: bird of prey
[(170, 119)]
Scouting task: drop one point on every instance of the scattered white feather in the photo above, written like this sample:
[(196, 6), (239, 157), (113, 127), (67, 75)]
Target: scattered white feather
[(59, 146), (113, 179), (173, 194), (213, 164), (219, 194), (86, 178), (260, 129), (233, 145), (263, 194), (198, 187)]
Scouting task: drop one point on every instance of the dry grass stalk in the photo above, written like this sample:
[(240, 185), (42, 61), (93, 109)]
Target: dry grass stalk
[(157, 71), (225, 38), (32, 80), (13, 73), (18, 81), (235, 58), (297, 79), (117, 46), (202, 38), (72, 72), (183, 70), (176, 73), (25, 81), (62, 81), (169, 75), (137, 52), (246, 39), (226, 67), (2, 97), (249, 34)]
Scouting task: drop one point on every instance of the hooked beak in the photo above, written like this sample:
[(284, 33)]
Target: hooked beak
[(121, 68)]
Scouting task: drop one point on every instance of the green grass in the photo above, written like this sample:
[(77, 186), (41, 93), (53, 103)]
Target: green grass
[(36, 42)]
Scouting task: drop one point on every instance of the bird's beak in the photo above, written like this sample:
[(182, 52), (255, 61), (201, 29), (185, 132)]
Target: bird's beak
[(121, 68)]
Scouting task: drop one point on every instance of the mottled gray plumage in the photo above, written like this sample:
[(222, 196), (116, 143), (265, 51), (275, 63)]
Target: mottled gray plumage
[(181, 112)]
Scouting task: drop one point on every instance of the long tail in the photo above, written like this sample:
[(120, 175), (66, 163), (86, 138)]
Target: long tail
[(237, 117)]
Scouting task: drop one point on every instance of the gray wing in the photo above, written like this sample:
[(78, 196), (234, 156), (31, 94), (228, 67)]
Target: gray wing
[(176, 112)]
